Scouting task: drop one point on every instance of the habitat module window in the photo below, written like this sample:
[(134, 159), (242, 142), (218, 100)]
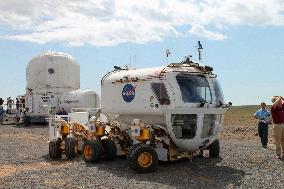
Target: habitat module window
[(161, 93), (194, 88), (208, 125), (184, 125)]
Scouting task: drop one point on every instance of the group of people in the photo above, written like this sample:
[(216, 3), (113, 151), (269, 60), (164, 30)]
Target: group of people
[(62, 112), (25, 115), (277, 113), (19, 112), (10, 104)]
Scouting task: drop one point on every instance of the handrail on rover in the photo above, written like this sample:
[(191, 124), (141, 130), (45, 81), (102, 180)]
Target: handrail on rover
[(187, 64), (64, 117), (91, 111), (109, 73)]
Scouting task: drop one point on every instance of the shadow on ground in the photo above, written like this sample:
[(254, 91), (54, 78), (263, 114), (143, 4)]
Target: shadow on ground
[(199, 173)]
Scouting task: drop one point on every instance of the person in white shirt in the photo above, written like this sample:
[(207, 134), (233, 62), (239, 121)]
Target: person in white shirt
[(263, 116)]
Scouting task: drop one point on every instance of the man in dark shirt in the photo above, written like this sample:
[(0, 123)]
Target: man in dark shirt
[(277, 112)]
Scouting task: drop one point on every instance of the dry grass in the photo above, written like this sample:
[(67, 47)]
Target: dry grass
[(240, 123), (241, 116)]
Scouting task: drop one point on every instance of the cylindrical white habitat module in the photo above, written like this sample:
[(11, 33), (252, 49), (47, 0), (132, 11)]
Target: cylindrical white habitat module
[(53, 70), (49, 75), (80, 99)]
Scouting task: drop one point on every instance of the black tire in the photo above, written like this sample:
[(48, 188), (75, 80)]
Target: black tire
[(54, 149), (214, 149), (71, 147), (142, 158), (92, 151), (130, 150), (109, 150)]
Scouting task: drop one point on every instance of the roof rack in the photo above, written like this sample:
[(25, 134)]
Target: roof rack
[(188, 63)]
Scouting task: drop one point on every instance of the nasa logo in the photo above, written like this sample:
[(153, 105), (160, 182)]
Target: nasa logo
[(128, 93)]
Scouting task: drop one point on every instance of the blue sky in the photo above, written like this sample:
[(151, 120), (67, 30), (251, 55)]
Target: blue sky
[(244, 45)]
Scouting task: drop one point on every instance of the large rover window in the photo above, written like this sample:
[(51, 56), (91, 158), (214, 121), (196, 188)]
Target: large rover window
[(194, 88), (184, 125), (161, 93), (208, 125), (218, 91)]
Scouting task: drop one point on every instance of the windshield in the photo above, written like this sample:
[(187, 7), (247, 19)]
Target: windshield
[(218, 91), (194, 88)]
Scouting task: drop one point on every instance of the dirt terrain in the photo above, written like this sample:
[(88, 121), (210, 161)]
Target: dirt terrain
[(240, 124), (24, 163)]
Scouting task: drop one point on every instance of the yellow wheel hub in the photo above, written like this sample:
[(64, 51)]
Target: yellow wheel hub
[(88, 152), (145, 159)]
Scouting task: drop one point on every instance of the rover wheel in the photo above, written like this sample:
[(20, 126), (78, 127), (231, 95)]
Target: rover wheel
[(214, 149), (54, 149), (71, 147), (142, 158), (131, 149), (92, 151), (109, 149)]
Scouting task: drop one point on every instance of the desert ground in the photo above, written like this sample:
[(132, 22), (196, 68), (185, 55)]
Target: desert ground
[(24, 162)]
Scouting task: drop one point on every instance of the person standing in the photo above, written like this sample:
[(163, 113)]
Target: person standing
[(63, 112), (1, 114), (18, 116), (277, 111), (1, 101), (8, 105), (27, 117), (17, 103), (1, 110), (263, 116)]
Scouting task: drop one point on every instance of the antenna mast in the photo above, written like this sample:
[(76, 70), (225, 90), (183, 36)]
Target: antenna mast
[(168, 52), (200, 49)]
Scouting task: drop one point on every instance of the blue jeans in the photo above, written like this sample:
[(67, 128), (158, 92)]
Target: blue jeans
[(263, 133)]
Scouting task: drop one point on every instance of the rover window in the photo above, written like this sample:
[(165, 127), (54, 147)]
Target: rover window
[(218, 90), (194, 88), (184, 125), (161, 93), (208, 125)]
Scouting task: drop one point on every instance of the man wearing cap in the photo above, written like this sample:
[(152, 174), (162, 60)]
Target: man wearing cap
[(277, 111), (263, 119)]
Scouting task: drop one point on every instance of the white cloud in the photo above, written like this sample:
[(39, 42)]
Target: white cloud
[(202, 32), (111, 22)]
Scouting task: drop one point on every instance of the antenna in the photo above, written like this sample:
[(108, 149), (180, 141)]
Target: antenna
[(200, 49), (168, 53)]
